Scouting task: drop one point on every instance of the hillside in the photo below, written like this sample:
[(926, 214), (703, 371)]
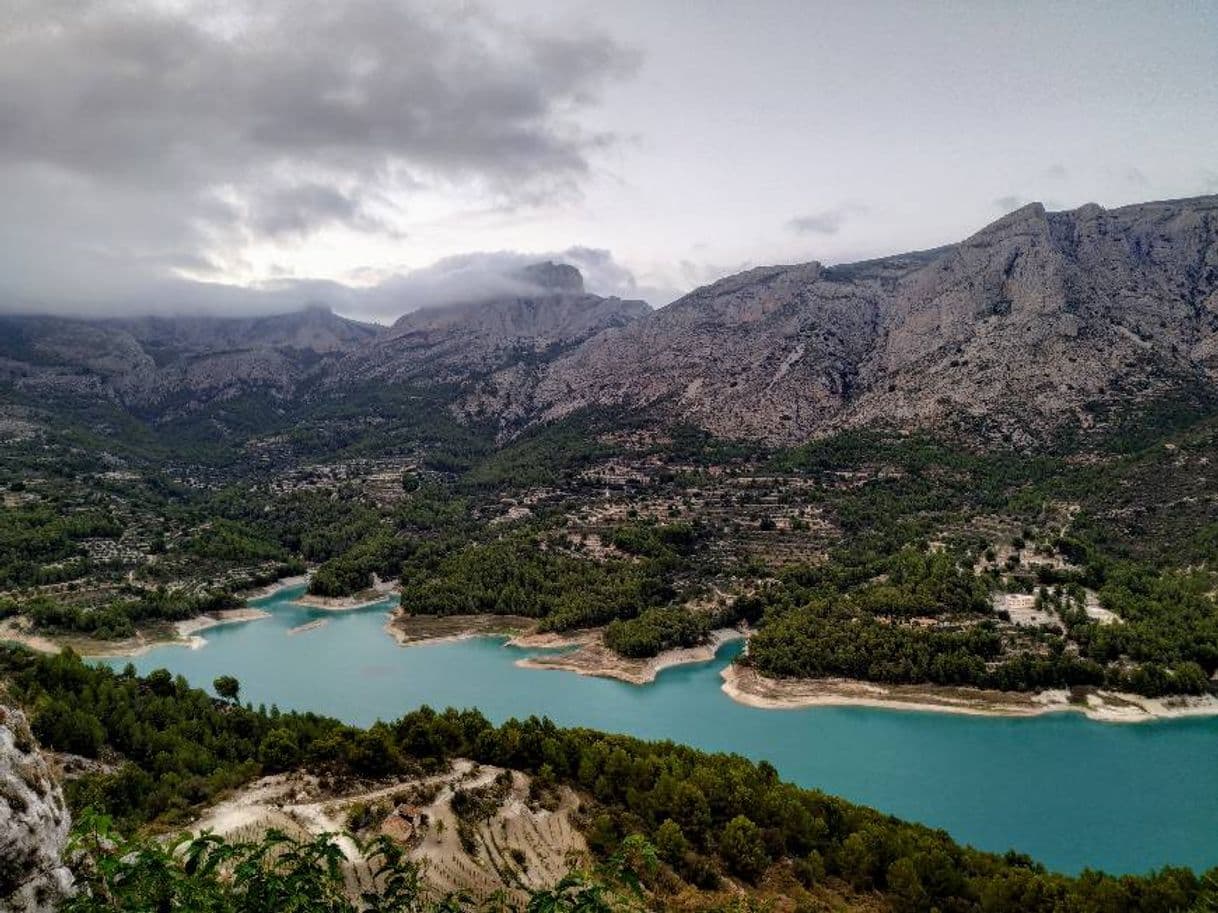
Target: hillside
[(1039, 324), (491, 349), (1038, 321), (157, 366)]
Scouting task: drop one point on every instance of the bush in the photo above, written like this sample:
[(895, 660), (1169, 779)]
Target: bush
[(743, 849)]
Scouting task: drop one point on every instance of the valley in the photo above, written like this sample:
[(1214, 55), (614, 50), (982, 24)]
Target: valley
[(815, 517), (581, 457)]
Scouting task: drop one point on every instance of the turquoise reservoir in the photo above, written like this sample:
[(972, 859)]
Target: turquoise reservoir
[(1071, 792)]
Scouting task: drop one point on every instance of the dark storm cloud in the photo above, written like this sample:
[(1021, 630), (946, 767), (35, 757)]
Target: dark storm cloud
[(132, 135), (299, 209), (129, 93)]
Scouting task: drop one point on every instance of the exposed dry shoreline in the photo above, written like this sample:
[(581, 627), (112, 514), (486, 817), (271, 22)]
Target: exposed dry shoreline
[(592, 657), (745, 685), (378, 592), (186, 633), (417, 630), (179, 634), (588, 654), (271, 589), (193, 626)]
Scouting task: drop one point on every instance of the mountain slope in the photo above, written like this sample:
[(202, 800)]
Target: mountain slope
[(170, 364), (1029, 325), (492, 348), (1040, 322)]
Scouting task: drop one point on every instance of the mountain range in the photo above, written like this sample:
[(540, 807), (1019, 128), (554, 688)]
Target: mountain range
[(1038, 322)]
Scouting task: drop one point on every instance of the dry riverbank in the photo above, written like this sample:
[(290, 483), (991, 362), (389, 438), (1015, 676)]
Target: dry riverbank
[(413, 630), (587, 655), (378, 592), (179, 634), (592, 657), (745, 685), (271, 589)]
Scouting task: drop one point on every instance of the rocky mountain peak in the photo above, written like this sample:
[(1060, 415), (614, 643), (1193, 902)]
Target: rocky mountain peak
[(1020, 329), (1038, 321), (554, 277), (541, 311)]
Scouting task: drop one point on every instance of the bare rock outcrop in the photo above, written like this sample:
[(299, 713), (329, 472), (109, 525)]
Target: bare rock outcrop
[(1038, 323), (492, 349), (1029, 325), (34, 823), (166, 366)]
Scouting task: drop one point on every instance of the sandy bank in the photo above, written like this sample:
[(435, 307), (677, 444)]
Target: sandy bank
[(414, 630), (745, 685), (179, 634), (14, 630), (343, 603), (199, 623), (377, 593), (592, 657), (553, 640), (284, 583)]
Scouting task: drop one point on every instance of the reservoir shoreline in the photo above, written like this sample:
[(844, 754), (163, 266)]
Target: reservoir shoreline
[(584, 653), (971, 775), (745, 685)]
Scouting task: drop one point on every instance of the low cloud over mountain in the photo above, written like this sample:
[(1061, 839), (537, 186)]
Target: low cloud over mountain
[(177, 139)]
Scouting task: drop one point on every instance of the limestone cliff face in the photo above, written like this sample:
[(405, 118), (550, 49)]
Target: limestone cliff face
[(549, 313), (33, 823), (1041, 314), (1020, 329), (1040, 321), (492, 350), (170, 365), (772, 348)]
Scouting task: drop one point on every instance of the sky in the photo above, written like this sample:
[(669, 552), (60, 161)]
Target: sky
[(378, 155)]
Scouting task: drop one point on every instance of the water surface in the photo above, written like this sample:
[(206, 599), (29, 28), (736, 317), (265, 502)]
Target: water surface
[(1071, 792)]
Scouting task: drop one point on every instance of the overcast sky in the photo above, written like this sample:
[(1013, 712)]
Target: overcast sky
[(380, 154)]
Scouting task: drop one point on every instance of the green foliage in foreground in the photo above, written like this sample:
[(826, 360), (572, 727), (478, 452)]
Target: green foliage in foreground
[(181, 746), (708, 815), (278, 874)]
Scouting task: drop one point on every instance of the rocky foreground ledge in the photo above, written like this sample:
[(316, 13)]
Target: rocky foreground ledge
[(34, 823)]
